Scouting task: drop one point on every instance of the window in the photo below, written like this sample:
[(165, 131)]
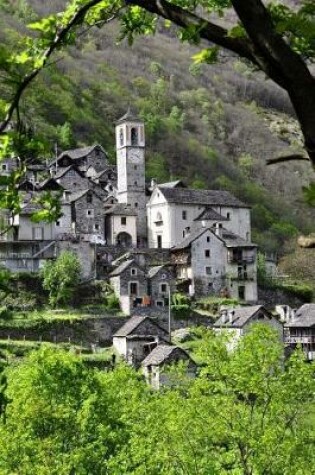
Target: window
[(133, 288), (90, 213), (228, 215), (136, 183), (89, 198), (207, 253), (163, 288), (133, 271), (58, 223), (123, 220), (159, 217), (121, 137), (136, 205), (134, 136), (4, 167), (184, 214), (209, 270), (96, 227), (135, 167), (208, 238), (159, 241)]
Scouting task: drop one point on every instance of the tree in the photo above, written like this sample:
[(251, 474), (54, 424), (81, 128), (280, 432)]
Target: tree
[(61, 277)]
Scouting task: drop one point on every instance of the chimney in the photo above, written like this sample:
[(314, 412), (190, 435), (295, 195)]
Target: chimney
[(224, 316), (203, 223), (217, 229), (231, 315)]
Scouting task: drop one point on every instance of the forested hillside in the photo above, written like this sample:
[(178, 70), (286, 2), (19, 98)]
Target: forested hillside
[(212, 125)]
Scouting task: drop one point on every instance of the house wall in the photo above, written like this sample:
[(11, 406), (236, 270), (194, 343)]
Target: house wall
[(130, 227), (85, 223), (204, 283), (163, 277), (120, 345), (72, 180), (26, 227), (239, 221)]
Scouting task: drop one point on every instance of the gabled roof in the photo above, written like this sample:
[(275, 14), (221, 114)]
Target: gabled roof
[(133, 323), (173, 184), (304, 316), (111, 169), (78, 194), (162, 354), (49, 183), (78, 153), (121, 209), (153, 271), (122, 267), (201, 197), (208, 214), (191, 237), (233, 240), (238, 317), (62, 171)]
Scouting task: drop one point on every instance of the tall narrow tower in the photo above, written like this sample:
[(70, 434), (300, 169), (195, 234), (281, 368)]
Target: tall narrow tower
[(130, 149)]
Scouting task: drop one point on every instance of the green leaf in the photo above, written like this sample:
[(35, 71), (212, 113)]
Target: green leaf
[(207, 55)]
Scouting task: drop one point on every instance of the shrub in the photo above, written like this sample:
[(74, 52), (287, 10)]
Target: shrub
[(112, 302), (5, 313)]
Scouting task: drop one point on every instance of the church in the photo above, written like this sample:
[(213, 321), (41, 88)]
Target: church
[(147, 239)]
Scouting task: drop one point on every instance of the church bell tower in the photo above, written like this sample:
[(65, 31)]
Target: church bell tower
[(130, 150)]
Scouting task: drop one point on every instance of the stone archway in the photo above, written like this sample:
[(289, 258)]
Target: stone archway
[(124, 239)]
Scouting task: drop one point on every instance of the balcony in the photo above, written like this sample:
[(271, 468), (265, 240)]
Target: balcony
[(303, 340), (241, 259)]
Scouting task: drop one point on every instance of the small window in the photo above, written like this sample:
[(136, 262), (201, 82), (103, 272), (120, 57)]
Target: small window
[(134, 136), (163, 288), (123, 220), (184, 214), (208, 270), (96, 227), (4, 167), (228, 215), (135, 167), (89, 198), (207, 253), (208, 238), (58, 223), (121, 137), (133, 271), (136, 183), (90, 213), (136, 205)]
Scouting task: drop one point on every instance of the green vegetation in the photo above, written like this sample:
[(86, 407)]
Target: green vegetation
[(61, 277), (246, 413)]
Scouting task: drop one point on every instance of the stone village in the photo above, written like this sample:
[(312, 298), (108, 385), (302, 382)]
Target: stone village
[(147, 239)]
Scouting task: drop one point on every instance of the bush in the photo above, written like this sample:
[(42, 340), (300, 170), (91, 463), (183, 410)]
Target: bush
[(5, 313), (112, 302), (302, 291), (180, 305), (213, 304)]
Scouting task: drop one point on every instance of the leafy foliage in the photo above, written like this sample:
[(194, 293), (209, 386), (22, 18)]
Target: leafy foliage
[(60, 278)]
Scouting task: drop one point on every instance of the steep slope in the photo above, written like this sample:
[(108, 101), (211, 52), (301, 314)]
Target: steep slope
[(214, 126)]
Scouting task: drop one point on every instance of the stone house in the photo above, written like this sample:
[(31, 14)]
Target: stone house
[(155, 365), (137, 337), (160, 283), (237, 322), (299, 330), (210, 261), (89, 160), (87, 214), (172, 211), (121, 225), (130, 284), (71, 178)]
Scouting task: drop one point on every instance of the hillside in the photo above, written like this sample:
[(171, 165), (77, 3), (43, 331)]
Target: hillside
[(214, 126)]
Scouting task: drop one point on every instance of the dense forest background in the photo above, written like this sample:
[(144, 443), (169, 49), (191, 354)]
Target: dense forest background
[(212, 125)]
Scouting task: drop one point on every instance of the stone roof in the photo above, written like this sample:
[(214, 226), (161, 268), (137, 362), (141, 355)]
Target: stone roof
[(191, 237), (121, 209), (304, 316), (78, 153), (154, 270), (173, 184), (233, 240), (238, 317), (132, 324), (106, 170), (49, 181), (162, 354), (130, 116), (201, 197), (122, 267), (62, 171), (78, 194), (208, 214)]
